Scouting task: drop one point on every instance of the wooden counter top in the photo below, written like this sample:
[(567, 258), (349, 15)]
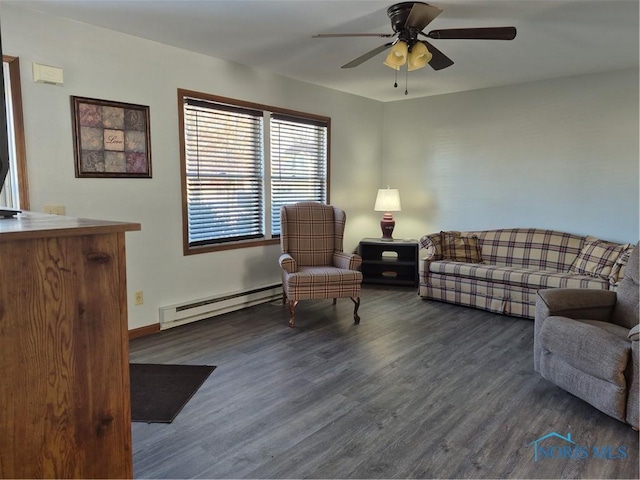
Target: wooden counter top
[(65, 396), (38, 225)]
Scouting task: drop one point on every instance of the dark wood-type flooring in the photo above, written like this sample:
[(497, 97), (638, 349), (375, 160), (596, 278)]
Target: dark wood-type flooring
[(418, 390)]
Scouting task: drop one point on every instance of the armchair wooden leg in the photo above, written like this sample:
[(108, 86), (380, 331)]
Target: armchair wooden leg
[(356, 317), (292, 307)]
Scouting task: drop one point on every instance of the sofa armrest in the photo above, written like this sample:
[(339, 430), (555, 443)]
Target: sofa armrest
[(288, 263), (349, 261), (569, 302), (634, 333), (576, 303), (430, 251), (432, 247)]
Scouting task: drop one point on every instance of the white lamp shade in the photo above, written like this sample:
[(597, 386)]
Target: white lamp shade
[(388, 200), (397, 56), (419, 56)]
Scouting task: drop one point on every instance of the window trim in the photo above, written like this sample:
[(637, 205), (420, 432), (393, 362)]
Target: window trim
[(18, 128), (182, 93)]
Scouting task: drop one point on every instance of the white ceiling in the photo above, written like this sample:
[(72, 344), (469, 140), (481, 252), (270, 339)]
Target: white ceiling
[(556, 38)]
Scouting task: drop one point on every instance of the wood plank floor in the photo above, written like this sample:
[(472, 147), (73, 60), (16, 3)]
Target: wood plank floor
[(418, 390)]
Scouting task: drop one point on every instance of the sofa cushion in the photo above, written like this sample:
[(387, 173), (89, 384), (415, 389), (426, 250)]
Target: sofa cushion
[(511, 300), (534, 279), (460, 248), (517, 247), (597, 259), (617, 330), (617, 272), (529, 248)]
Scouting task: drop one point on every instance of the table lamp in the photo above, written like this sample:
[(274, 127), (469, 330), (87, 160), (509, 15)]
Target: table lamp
[(388, 200)]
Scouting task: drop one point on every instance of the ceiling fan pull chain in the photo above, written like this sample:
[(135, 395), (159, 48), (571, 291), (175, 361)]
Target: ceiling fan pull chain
[(395, 84), (406, 82)]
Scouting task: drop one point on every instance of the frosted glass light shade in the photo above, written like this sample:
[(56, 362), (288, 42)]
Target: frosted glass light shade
[(418, 57), (397, 55), (388, 200)]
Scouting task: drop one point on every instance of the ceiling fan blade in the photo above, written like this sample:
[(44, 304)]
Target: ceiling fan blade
[(421, 15), (367, 56), (439, 59), (489, 33), (334, 35)]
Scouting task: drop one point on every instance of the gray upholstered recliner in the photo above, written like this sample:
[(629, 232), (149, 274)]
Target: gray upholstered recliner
[(586, 342)]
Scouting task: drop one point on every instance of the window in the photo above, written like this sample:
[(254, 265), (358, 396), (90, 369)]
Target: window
[(223, 173), (240, 163), (298, 166), (15, 192)]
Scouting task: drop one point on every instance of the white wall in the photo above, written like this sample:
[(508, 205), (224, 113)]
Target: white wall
[(559, 154), (103, 64)]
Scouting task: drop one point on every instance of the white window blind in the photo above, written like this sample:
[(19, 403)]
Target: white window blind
[(241, 162), (298, 163), (224, 173)]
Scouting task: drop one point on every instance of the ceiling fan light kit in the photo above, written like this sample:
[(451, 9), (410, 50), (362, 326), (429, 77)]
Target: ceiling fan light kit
[(408, 20), (419, 56), (397, 56), (415, 56)]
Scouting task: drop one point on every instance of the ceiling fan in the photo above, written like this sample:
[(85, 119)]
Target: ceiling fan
[(408, 20)]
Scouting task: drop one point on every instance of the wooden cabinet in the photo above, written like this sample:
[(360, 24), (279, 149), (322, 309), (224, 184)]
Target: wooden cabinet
[(389, 262), (64, 354)]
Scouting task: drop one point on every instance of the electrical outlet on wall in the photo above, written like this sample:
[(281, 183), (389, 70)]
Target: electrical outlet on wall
[(53, 209), (138, 298)]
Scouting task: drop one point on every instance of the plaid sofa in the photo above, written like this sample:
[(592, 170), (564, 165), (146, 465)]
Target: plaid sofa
[(501, 270)]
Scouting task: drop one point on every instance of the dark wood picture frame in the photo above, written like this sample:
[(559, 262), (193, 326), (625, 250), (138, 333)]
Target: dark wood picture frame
[(111, 139)]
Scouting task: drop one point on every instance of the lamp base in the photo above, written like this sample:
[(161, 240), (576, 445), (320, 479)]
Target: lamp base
[(387, 224)]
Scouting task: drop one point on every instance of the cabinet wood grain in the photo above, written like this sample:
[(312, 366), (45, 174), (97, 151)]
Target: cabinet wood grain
[(64, 402)]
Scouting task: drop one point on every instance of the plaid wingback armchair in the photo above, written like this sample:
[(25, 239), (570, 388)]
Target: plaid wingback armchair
[(313, 263)]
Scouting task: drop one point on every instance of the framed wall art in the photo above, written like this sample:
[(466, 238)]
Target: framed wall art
[(111, 139)]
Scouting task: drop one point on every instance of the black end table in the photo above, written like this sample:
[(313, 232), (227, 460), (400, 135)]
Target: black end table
[(389, 262)]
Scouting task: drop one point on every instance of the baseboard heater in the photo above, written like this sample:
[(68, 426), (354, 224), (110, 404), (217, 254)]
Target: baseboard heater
[(182, 313)]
